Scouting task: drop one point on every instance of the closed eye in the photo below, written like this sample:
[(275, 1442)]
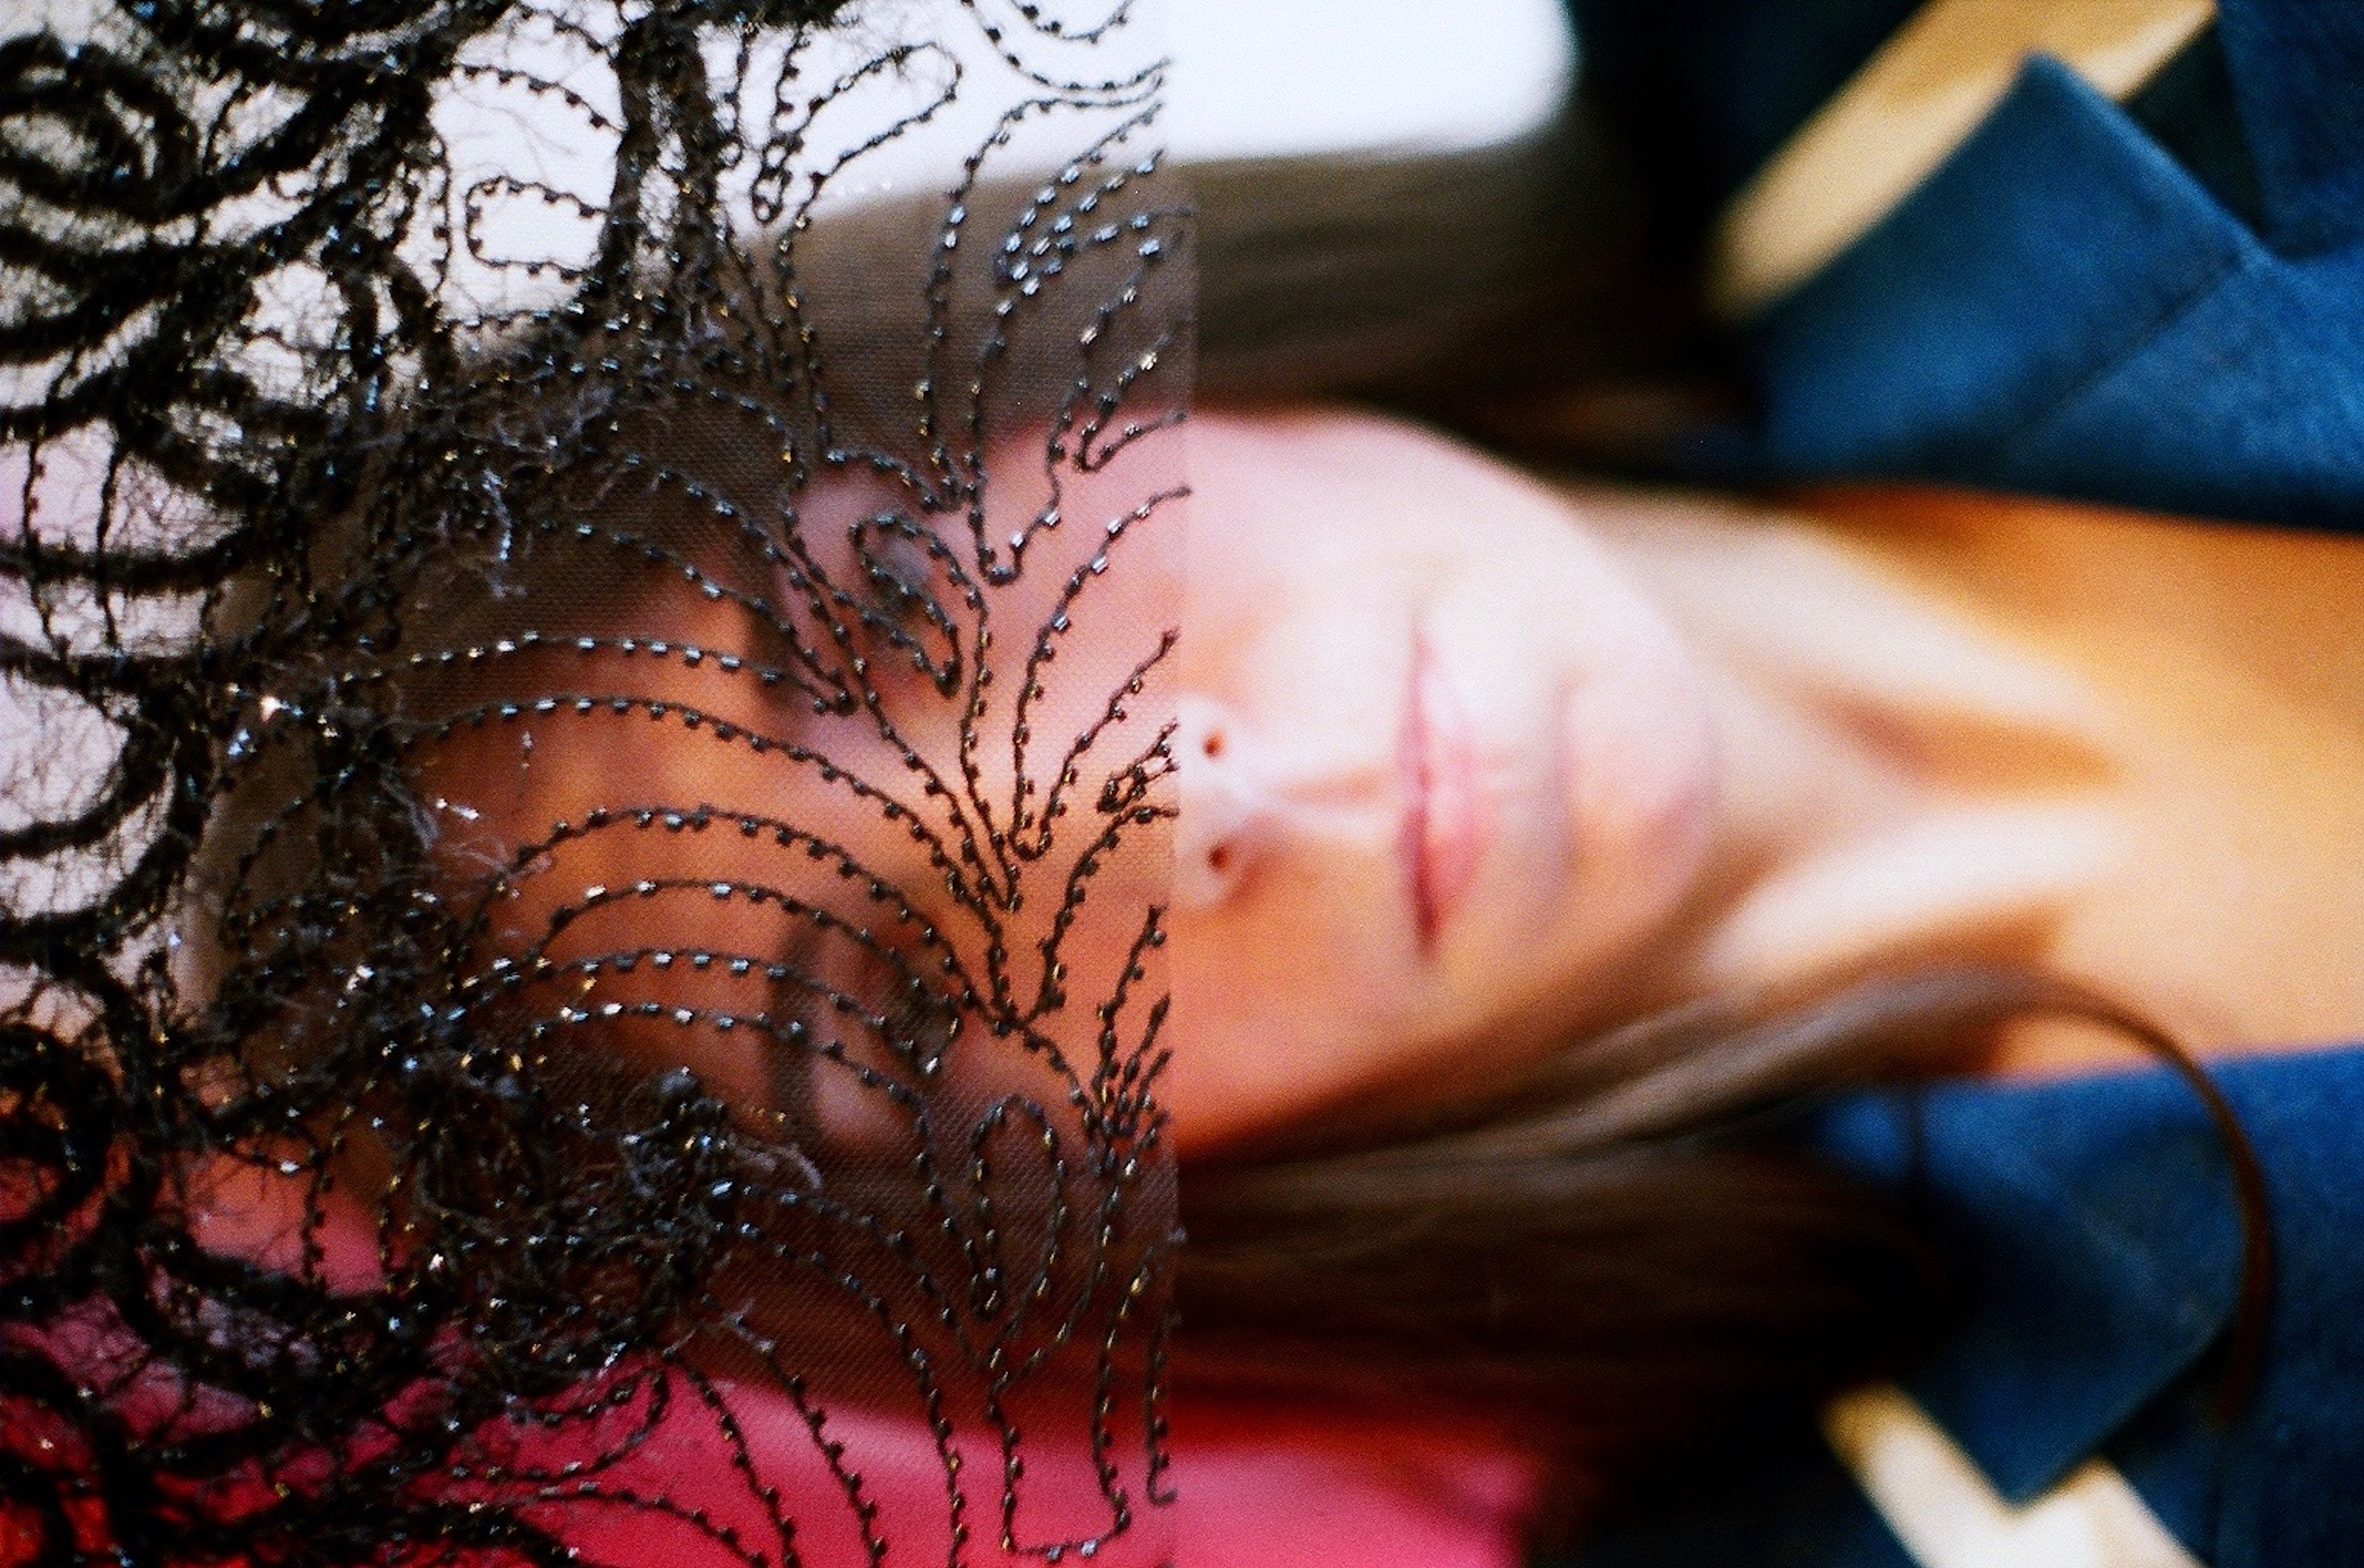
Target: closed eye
[(901, 581), (898, 582)]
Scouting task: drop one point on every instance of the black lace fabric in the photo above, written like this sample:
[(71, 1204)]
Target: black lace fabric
[(585, 619)]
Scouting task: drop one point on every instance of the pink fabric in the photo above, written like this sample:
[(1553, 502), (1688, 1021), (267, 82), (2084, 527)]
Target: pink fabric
[(1260, 1490), (1256, 1486), (1255, 1490)]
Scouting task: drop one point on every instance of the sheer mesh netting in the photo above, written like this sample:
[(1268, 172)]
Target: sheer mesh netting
[(585, 624)]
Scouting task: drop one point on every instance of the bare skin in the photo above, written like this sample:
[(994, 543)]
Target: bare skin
[(2127, 748), (1879, 726)]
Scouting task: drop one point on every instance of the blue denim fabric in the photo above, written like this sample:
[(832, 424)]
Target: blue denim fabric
[(2102, 1228), (2062, 308)]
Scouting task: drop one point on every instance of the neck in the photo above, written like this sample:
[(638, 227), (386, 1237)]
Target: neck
[(2120, 749)]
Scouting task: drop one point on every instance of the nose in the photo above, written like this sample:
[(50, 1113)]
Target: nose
[(1216, 836)]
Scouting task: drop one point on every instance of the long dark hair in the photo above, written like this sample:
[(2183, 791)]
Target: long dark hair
[(1626, 1243)]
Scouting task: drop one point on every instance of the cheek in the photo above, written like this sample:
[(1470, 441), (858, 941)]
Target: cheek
[(636, 874), (1258, 1032), (607, 893), (663, 873)]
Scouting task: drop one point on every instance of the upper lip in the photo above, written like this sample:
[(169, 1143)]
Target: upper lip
[(1441, 818)]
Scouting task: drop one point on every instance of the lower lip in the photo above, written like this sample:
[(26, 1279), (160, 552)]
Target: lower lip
[(1443, 824)]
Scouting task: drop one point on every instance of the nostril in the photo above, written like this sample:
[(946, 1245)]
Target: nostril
[(1217, 837)]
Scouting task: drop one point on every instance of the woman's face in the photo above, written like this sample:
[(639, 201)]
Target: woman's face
[(1443, 773), (1447, 770)]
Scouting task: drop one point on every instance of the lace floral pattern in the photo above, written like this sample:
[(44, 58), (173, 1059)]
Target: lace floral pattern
[(579, 931)]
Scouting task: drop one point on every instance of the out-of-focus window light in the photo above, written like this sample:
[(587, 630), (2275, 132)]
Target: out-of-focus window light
[(1291, 78)]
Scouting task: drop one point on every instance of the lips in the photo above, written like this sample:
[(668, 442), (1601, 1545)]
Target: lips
[(1443, 823)]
